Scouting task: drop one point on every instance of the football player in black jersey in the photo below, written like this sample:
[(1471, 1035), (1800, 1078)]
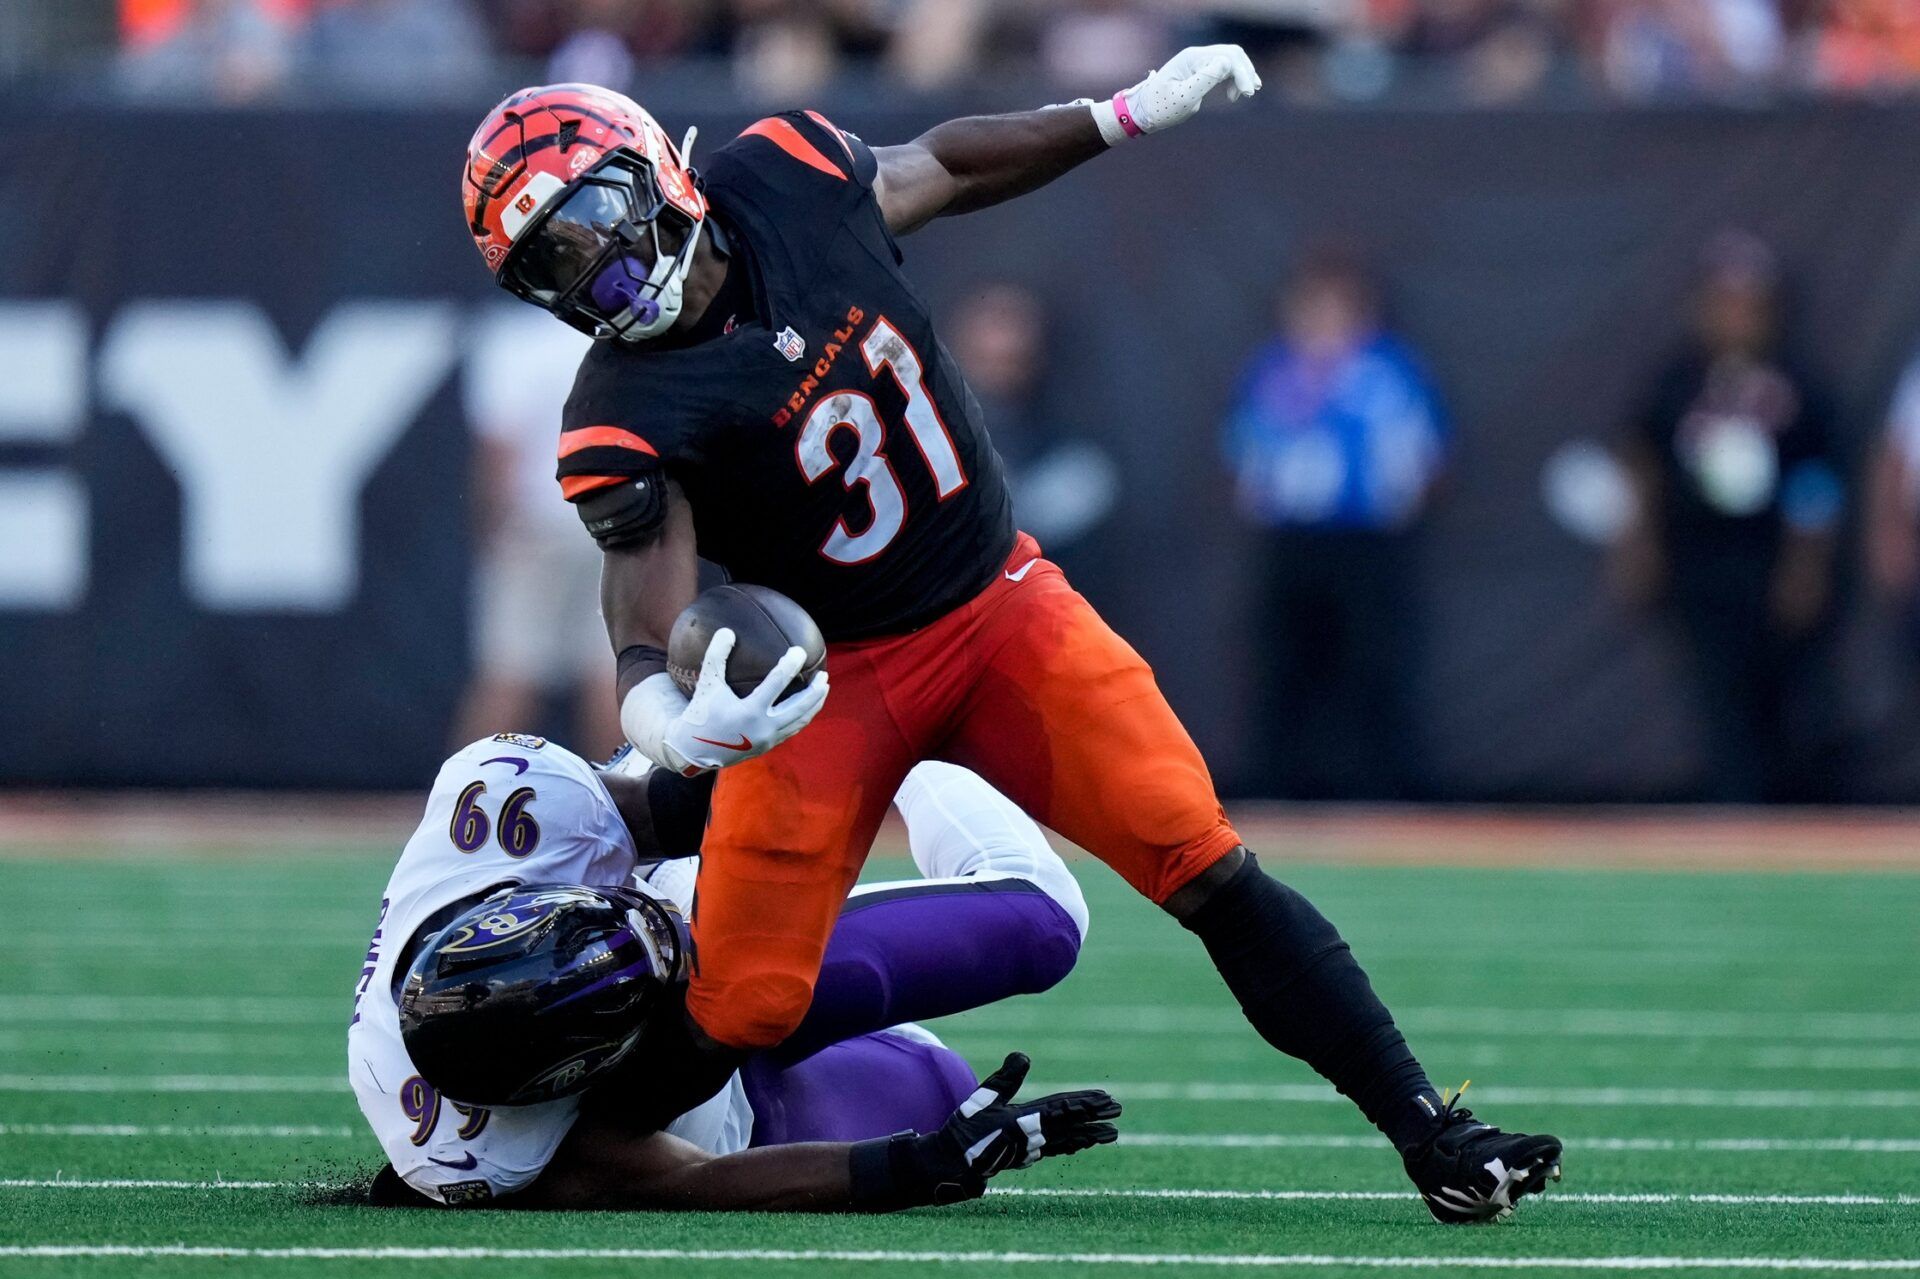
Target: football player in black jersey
[(768, 393)]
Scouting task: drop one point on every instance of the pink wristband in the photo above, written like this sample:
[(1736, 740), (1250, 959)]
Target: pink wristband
[(1124, 113)]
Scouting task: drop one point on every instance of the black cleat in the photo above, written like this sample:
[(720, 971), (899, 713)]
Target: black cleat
[(1469, 1171)]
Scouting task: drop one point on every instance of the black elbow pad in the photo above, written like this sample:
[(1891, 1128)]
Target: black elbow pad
[(625, 514)]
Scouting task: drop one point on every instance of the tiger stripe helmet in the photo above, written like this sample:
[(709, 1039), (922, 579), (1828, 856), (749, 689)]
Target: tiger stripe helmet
[(532, 155)]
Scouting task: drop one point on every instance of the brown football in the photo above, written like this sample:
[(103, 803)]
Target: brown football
[(765, 624)]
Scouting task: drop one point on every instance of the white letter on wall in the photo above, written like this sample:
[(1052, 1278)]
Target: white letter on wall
[(43, 511), (272, 453)]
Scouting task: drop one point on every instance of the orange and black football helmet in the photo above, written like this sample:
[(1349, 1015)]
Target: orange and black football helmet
[(581, 205)]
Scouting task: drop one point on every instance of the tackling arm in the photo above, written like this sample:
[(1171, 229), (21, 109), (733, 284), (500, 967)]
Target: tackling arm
[(603, 1167), (978, 161), (664, 812)]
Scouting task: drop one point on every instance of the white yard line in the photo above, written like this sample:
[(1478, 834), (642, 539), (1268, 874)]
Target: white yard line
[(1699, 1098), (145, 1041), (1199, 1141), (1303, 1196), (1127, 1021), (1477, 1054), (1135, 1020), (1343, 1141), (186, 1009), (151, 1183), (1551, 1197), (1137, 1090), (143, 1131), (174, 1083), (200, 932), (147, 1045), (838, 1256)]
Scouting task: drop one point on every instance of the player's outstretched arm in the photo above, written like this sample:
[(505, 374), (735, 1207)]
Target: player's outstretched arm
[(978, 161), (990, 1133), (608, 1169)]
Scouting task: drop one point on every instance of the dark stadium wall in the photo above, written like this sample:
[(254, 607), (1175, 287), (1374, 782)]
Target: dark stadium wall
[(1538, 261)]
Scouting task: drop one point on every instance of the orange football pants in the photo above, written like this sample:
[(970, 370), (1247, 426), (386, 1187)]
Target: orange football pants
[(1025, 685)]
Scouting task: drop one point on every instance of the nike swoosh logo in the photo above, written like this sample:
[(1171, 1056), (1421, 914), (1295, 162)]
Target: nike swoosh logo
[(466, 1165), (744, 744), (519, 767), (1021, 572)]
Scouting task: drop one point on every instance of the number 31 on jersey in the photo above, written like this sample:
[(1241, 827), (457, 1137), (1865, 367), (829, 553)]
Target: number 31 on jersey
[(884, 347)]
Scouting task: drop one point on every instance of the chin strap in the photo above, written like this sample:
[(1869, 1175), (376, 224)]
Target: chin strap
[(668, 279), (669, 286)]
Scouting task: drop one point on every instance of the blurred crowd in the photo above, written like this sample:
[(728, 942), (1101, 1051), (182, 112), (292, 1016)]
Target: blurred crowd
[(1310, 50), (1737, 498)]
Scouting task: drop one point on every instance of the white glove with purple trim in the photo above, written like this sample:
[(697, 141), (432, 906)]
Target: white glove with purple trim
[(1174, 93)]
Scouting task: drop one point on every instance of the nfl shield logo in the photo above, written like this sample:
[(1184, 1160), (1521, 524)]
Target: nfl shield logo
[(790, 344)]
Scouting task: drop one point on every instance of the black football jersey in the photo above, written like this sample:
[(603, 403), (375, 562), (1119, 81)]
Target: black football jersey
[(829, 446)]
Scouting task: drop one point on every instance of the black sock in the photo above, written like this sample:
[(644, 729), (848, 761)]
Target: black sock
[(1302, 989)]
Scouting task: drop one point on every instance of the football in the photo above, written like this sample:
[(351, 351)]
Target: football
[(765, 624)]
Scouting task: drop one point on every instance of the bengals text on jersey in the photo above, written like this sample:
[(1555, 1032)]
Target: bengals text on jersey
[(827, 443)]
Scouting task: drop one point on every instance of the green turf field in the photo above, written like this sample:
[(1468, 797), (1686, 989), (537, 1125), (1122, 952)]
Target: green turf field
[(1734, 1061)]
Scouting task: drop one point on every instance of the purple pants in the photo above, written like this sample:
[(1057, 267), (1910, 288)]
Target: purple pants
[(904, 954)]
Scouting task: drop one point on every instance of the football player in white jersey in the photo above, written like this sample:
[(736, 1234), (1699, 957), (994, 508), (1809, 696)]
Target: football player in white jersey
[(859, 1109)]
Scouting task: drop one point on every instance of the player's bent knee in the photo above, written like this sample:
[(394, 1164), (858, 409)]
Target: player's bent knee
[(1038, 926), (1053, 949), (757, 1013), (1163, 876), (1053, 961), (1057, 882)]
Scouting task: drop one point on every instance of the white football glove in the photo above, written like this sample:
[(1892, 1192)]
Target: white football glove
[(1173, 94), (716, 728)]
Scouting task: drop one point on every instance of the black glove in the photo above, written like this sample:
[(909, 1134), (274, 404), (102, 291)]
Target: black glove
[(987, 1135)]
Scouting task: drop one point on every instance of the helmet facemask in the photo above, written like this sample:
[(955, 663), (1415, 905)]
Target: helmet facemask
[(611, 256)]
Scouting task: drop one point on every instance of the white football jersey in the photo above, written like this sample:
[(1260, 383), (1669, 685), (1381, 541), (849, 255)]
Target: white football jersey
[(510, 809)]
